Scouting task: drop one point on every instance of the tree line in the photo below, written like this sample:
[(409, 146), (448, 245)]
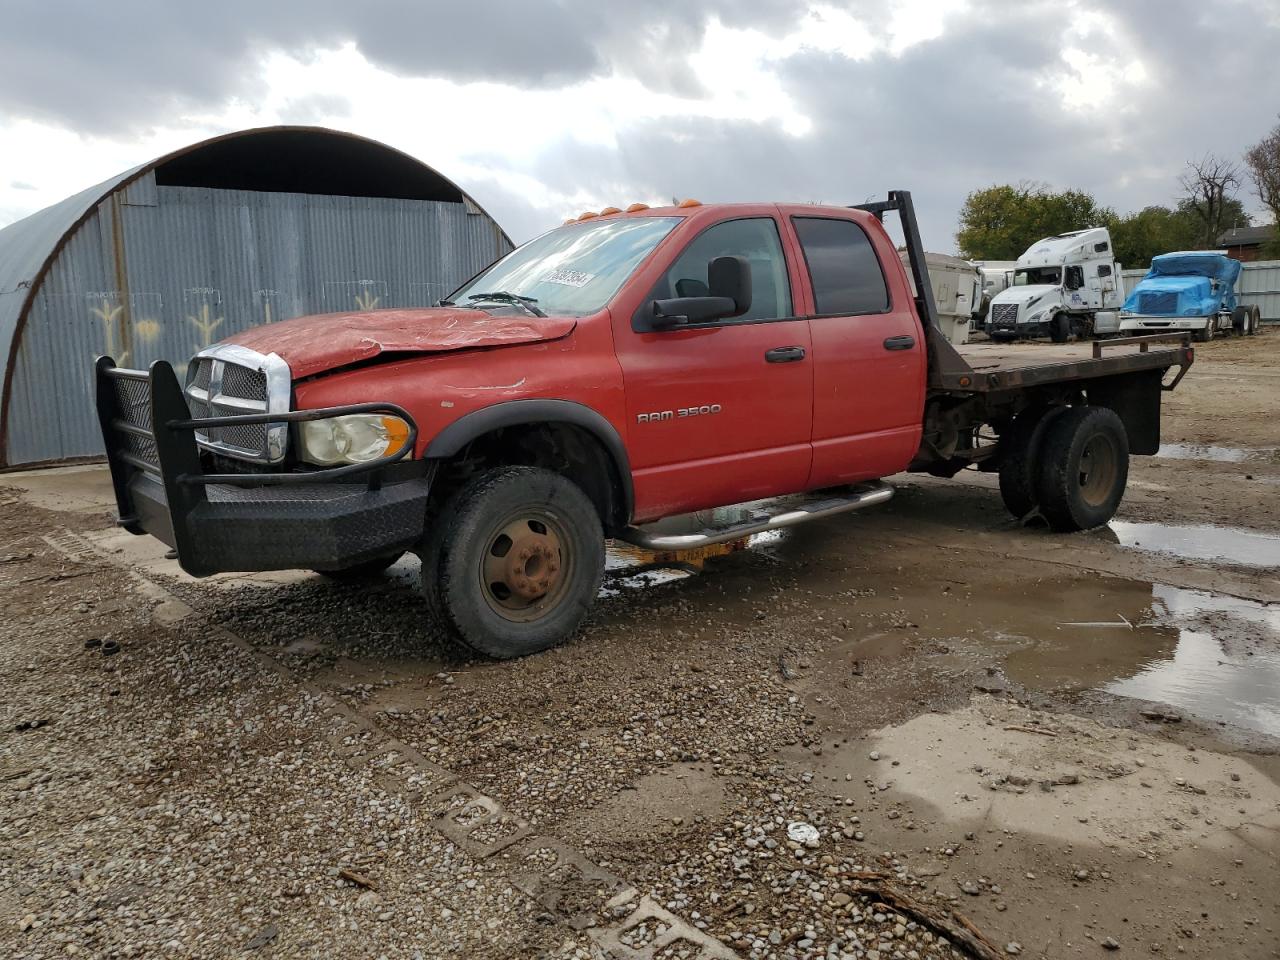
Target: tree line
[(1001, 222)]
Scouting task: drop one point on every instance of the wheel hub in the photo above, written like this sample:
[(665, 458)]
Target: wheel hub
[(532, 566)]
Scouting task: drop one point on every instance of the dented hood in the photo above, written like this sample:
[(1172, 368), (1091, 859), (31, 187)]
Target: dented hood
[(312, 345)]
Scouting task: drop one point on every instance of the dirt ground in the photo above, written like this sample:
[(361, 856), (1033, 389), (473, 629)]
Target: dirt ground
[(919, 731)]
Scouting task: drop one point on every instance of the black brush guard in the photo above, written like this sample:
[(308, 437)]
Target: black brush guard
[(328, 519)]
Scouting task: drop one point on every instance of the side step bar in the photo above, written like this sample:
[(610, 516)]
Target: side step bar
[(863, 495)]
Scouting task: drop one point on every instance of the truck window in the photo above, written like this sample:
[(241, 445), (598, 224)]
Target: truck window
[(1074, 279), (843, 267), (1033, 276), (1104, 271), (758, 241)]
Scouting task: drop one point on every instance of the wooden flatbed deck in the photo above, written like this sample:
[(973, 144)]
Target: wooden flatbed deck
[(1003, 366)]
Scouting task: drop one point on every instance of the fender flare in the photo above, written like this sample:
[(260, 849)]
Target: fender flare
[(513, 413)]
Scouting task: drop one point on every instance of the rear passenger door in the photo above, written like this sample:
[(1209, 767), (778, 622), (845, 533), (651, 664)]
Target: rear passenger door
[(869, 356)]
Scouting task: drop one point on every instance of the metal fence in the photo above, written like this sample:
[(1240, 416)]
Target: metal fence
[(1259, 284)]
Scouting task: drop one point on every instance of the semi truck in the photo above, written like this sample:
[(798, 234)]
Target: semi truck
[(1192, 290), (626, 368), (1063, 286)]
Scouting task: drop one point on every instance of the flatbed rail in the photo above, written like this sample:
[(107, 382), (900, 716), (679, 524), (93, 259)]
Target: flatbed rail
[(989, 367)]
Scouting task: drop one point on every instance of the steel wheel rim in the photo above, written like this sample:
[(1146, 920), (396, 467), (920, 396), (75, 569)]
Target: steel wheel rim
[(526, 566), (1096, 473)]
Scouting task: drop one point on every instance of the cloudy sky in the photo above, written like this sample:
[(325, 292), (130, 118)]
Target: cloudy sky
[(544, 109)]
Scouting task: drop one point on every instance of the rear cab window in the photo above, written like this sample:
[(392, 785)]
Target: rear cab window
[(844, 271)]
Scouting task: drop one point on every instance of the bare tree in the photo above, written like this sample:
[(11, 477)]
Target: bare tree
[(1263, 161), (1208, 184)]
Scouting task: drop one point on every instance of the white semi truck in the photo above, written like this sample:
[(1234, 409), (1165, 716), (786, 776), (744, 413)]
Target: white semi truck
[(1062, 286)]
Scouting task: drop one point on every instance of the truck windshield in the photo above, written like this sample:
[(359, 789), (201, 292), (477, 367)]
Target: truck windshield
[(1024, 278), (573, 270)]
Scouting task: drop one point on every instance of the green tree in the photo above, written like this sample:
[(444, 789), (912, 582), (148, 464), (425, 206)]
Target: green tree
[(1002, 221)]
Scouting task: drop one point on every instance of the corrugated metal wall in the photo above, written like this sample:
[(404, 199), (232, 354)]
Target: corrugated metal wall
[(160, 272), (1259, 283)]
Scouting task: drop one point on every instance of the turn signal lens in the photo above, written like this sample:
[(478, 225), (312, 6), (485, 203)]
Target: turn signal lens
[(355, 438)]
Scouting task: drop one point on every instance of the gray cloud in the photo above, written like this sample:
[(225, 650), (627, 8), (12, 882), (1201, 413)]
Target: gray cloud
[(947, 116), (964, 111), (113, 67)]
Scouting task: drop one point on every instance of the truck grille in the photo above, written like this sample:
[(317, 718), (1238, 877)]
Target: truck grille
[(1155, 304), (230, 381), (1004, 314)]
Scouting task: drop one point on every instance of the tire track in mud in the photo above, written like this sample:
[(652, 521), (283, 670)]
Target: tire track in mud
[(622, 922)]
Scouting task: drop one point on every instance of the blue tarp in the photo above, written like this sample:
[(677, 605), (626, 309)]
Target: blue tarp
[(1185, 285)]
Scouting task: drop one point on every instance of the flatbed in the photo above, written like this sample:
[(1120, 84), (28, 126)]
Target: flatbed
[(1004, 366)]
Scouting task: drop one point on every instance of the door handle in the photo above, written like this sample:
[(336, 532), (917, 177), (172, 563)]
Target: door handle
[(784, 354), (899, 343)]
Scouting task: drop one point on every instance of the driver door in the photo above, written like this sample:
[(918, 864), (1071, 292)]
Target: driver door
[(720, 412)]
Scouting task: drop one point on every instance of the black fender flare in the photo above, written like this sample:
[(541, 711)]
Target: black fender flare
[(514, 413)]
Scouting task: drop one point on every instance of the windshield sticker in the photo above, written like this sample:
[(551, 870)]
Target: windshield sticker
[(569, 278)]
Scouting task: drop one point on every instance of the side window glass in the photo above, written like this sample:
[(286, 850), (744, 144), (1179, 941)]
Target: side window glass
[(758, 241), (1075, 278), (1104, 271), (843, 267)]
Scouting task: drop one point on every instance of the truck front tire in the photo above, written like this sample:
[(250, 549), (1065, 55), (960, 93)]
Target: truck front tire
[(1083, 466), (1060, 328), (514, 562)]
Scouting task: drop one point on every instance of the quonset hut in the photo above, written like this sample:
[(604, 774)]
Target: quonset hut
[(174, 255)]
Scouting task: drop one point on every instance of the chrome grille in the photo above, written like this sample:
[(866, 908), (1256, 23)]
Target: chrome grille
[(227, 381), (1004, 314)]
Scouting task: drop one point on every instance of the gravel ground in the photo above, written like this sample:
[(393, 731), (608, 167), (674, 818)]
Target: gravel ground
[(869, 739)]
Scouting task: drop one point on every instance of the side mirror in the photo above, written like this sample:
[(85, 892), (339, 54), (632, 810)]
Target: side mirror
[(729, 282)]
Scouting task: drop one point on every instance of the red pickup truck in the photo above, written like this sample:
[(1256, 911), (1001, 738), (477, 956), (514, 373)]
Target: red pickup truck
[(626, 367)]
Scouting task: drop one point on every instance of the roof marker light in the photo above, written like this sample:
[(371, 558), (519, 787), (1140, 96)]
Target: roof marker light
[(689, 202), (637, 207), (608, 210), (588, 215)]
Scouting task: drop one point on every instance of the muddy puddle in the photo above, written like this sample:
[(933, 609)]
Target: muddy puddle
[(1201, 542), (1214, 657), (1200, 451)]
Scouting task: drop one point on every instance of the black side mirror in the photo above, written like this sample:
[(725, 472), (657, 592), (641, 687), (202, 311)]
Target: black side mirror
[(729, 282)]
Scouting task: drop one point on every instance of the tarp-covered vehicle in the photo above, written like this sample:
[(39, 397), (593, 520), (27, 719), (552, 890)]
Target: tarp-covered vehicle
[(1192, 290)]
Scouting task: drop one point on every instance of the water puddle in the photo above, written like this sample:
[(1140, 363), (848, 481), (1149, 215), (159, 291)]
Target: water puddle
[(1200, 451), (1212, 656), (1201, 542)]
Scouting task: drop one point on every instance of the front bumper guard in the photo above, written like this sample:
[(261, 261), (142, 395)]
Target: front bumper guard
[(327, 519)]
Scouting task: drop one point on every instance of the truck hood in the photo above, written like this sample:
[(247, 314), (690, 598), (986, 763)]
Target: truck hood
[(314, 344), (1021, 295)]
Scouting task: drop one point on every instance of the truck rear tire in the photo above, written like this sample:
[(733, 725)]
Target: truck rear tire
[(1241, 320), (1018, 462), (1060, 328), (514, 563), (1083, 466), (1255, 319)]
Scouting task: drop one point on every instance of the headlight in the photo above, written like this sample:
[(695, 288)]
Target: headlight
[(355, 438)]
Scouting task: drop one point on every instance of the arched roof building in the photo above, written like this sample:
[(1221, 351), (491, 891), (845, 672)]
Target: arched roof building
[(175, 254)]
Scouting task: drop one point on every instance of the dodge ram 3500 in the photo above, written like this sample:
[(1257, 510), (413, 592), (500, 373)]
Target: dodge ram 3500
[(626, 367)]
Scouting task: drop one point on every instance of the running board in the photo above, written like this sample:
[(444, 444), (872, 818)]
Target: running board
[(789, 515)]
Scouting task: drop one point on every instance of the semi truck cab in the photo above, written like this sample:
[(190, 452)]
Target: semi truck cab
[(1063, 286), (1192, 290)]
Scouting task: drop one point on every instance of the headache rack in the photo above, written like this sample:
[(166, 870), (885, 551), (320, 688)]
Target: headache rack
[(989, 368)]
